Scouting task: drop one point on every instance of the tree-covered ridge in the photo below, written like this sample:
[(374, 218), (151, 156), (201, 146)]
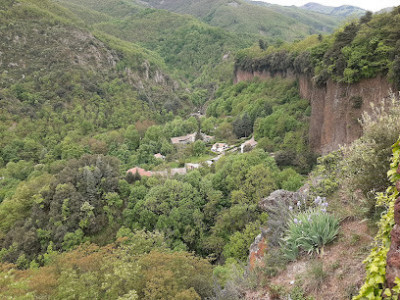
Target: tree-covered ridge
[(65, 88), (245, 17), (137, 266), (86, 200), (193, 51), (343, 10), (53, 63), (361, 49)]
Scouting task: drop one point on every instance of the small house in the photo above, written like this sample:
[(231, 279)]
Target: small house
[(219, 147), (159, 156), (140, 171), (190, 166), (186, 139)]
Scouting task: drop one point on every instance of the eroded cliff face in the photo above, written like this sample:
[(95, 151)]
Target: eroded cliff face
[(335, 108)]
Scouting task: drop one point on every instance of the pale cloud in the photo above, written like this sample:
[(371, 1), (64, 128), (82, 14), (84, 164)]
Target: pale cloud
[(369, 5)]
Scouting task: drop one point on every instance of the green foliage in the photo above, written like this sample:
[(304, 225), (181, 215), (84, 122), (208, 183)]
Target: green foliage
[(239, 243), (278, 114), (327, 173), (199, 148), (89, 107), (116, 271), (297, 293), (362, 49), (72, 239), (79, 202), (19, 170), (173, 208), (274, 261), (308, 232), (364, 164), (18, 207), (188, 47), (376, 261), (291, 180), (225, 272), (242, 126), (255, 19)]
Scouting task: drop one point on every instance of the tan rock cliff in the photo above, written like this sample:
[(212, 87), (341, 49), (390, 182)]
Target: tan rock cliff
[(335, 108)]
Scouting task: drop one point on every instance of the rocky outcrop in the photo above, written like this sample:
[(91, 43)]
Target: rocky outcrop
[(276, 205), (257, 251), (335, 107)]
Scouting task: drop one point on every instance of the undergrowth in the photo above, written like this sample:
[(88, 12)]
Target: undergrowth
[(376, 261)]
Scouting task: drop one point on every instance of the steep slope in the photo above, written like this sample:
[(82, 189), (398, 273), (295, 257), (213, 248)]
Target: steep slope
[(245, 18), (341, 75), (194, 51), (61, 84), (43, 44)]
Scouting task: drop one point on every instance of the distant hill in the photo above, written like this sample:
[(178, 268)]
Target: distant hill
[(54, 63), (318, 21), (385, 10), (191, 49), (341, 11), (247, 17)]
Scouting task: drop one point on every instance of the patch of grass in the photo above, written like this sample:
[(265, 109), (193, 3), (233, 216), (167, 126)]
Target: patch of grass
[(335, 265), (315, 275), (355, 239)]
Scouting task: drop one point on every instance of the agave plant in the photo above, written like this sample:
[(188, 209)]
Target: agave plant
[(309, 231)]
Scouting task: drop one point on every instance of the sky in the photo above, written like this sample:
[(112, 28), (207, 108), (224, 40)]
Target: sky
[(372, 5)]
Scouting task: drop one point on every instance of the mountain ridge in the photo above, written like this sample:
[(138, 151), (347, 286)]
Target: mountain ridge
[(255, 18), (342, 11)]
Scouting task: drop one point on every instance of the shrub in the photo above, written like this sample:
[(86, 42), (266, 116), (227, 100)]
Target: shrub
[(356, 101), (291, 180), (199, 148), (274, 261), (324, 178), (298, 294), (364, 164), (308, 232), (375, 263)]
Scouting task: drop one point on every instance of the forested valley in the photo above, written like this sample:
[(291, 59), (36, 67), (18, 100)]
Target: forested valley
[(134, 164)]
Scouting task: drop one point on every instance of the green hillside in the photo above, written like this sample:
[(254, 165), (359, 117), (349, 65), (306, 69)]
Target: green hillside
[(132, 166), (361, 49), (319, 22), (195, 52), (63, 84), (247, 18)]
